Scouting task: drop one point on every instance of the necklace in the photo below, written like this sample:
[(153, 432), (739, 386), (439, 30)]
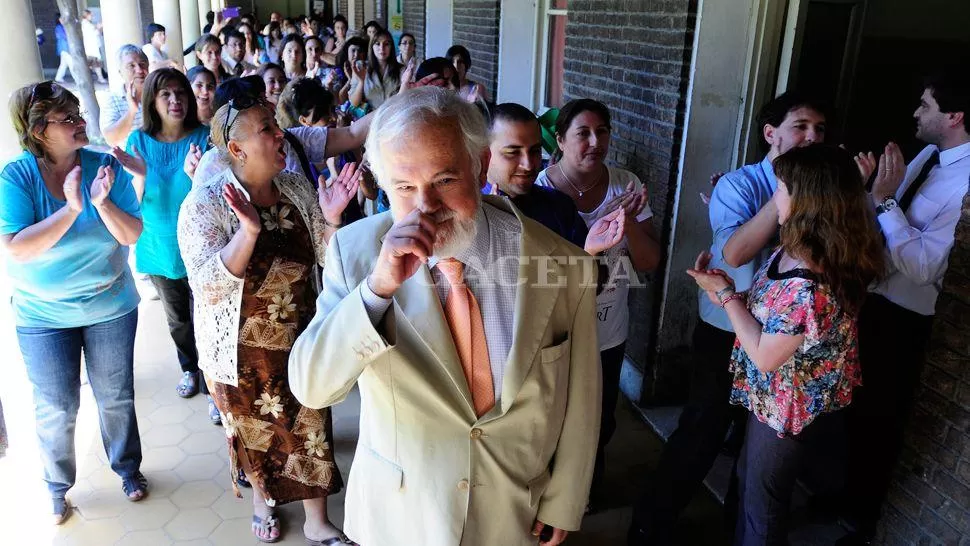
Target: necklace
[(570, 182)]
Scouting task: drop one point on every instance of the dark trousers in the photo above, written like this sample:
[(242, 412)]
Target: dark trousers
[(611, 361), (767, 469), (177, 301), (892, 342), (692, 448)]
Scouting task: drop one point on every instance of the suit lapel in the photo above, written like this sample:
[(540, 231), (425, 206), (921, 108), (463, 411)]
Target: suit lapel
[(418, 306), (534, 303)]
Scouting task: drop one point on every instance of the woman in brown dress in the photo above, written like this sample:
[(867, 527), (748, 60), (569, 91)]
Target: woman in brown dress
[(252, 239)]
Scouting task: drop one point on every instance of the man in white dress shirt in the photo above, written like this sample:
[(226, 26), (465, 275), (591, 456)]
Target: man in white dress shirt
[(918, 207)]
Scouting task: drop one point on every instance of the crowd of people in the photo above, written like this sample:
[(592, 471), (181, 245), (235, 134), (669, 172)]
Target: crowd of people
[(320, 210)]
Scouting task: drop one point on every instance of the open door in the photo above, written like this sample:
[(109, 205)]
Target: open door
[(821, 51)]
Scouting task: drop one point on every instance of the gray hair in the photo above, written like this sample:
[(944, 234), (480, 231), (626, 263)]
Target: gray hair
[(429, 105), (128, 49)]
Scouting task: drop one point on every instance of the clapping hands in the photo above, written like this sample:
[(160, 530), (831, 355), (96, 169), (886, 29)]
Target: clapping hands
[(101, 186), (606, 232), (709, 280), (134, 164), (335, 197)]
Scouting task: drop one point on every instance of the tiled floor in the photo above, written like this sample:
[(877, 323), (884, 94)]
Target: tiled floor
[(185, 461)]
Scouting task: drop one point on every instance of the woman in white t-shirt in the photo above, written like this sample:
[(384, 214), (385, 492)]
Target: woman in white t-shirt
[(583, 133)]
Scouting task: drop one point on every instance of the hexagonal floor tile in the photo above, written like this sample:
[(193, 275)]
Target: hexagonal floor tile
[(199, 467), (144, 538), (162, 483), (162, 458), (196, 494), (229, 507), (170, 415), (209, 441), (97, 532), (167, 397), (193, 524), (149, 514), (165, 435), (101, 504), (198, 542), (234, 531)]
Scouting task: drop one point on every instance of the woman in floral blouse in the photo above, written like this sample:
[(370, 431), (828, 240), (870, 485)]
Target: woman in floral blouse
[(252, 238), (795, 360)]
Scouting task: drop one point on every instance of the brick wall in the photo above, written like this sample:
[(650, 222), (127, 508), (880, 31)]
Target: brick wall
[(359, 21), (635, 58), (343, 7), (476, 27), (414, 17), (929, 500)]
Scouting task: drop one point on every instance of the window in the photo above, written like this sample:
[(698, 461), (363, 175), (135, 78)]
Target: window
[(553, 52)]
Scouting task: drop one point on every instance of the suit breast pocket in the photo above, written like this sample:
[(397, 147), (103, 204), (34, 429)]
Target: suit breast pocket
[(555, 352)]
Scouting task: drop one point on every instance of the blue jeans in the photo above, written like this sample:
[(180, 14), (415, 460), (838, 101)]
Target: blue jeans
[(53, 360)]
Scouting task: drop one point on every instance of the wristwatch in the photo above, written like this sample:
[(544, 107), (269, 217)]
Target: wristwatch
[(888, 204)]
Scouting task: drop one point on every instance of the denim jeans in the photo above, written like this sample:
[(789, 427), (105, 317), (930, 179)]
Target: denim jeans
[(53, 360), (177, 301)]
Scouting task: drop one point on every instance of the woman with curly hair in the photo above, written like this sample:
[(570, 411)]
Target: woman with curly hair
[(795, 360)]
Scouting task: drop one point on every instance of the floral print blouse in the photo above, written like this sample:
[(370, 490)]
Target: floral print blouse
[(820, 376)]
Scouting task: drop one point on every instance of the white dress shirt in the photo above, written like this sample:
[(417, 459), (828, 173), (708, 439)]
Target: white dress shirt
[(490, 275), (919, 240)]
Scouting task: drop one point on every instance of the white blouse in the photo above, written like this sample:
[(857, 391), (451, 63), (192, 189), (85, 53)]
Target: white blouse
[(205, 226)]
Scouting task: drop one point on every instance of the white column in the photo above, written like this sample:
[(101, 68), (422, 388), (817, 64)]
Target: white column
[(191, 30), (204, 7), (20, 60), (167, 14), (122, 25)]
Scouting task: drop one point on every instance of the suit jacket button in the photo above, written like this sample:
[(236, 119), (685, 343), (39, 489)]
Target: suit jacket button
[(463, 485), (476, 433)]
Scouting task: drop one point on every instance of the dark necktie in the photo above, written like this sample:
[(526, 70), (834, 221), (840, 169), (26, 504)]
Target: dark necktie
[(907, 199)]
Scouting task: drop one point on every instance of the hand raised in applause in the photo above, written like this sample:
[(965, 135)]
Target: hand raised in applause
[(889, 176), (101, 186), (192, 160), (335, 197), (243, 209), (72, 189), (709, 280), (133, 163), (407, 245), (605, 233)]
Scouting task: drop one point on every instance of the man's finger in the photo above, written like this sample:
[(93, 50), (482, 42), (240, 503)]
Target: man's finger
[(537, 528)]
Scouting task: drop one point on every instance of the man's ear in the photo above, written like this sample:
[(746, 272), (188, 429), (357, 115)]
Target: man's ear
[(955, 119), (768, 132), (485, 158)]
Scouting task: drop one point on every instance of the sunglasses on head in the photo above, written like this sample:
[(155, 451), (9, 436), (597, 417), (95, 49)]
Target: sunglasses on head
[(238, 104), (40, 91)]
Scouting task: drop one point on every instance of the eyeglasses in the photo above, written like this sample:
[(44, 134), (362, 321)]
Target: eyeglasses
[(238, 104), (71, 119)]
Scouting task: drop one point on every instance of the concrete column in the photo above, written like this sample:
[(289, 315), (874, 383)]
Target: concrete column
[(122, 25), (204, 7), (167, 14), (191, 29), (20, 60)]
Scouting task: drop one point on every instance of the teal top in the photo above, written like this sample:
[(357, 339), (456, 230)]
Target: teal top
[(166, 185), (84, 278)]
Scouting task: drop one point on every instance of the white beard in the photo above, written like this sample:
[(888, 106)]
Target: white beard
[(459, 236)]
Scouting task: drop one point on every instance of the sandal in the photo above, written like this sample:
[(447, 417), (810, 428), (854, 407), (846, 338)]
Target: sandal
[(189, 385), (62, 510), (135, 487), (266, 526), (242, 480), (327, 542), (214, 416)]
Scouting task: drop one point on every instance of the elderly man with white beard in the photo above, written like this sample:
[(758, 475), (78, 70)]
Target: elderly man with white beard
[(470, 331)]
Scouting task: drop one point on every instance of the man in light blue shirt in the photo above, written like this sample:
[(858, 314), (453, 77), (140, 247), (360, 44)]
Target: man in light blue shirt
[(744, 221)]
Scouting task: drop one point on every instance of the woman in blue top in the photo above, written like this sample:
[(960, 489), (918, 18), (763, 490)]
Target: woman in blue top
[(170, 127), (66, 218)]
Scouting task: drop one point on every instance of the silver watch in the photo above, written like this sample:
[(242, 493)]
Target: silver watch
[(888, 204)]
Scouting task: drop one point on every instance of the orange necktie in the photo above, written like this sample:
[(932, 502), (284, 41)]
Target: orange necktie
[(465, 320)]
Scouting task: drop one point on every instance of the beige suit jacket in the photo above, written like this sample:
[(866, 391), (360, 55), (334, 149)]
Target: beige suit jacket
[(427, 471)]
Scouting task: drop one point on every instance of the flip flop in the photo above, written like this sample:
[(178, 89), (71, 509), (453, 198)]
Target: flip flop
[(188, 386), (266, 526)]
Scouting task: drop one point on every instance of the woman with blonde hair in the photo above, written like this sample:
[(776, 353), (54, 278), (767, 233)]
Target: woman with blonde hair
[(253, 238), (796, 360)]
